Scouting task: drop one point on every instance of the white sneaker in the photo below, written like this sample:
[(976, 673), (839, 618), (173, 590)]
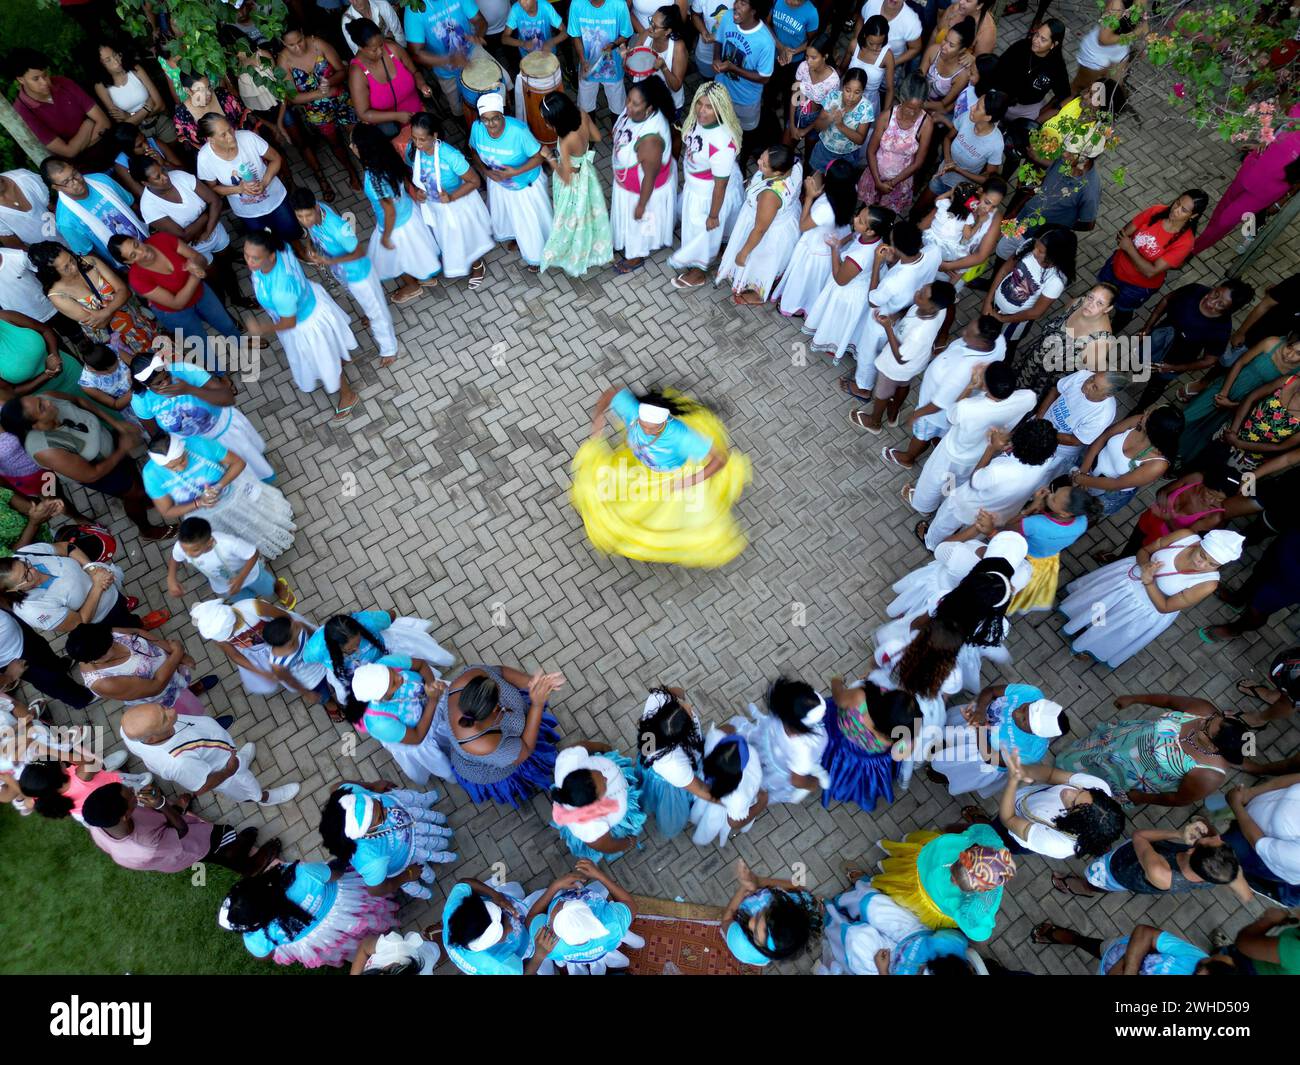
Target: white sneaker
[(116, 760), (247, 753), (275, 796), (136, 781)]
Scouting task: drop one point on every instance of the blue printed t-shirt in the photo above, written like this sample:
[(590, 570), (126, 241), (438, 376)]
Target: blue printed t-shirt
[(615, 916), (183, 415), (202, 470), (452, 165), (738, 942), (385, 854), (1004, 733), (599, 27), (443, 27), (505, 957), (388, 719), (80, 239), (516, 145), (793, 23), (284, 291), (373, 621), (313, 891), (402, 203), (335, 235), (533, 27), (677, 445), (753, 50), (1046, 536), (1171, 957)]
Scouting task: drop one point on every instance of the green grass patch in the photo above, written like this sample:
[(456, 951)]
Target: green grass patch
[(65, 908)]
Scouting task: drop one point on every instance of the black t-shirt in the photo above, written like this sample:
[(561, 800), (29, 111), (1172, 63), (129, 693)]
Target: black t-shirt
[(1029, 79), (1283, 318), (1195, 333)]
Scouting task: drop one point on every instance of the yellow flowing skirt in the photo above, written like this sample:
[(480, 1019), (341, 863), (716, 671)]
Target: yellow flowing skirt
[(1040, 592), (631, 510), (901, 881)]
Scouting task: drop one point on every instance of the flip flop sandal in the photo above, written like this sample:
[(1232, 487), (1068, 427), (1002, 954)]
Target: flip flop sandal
[(625, 267), (429, 282), (1060, 882), (341, 413), (909, 490), (293, 598), (476, 281), (1204, 634), (849, 388), (410, 297), (679, 283), (1252, 690), (751, 304), (920, 530), (1042, 933), (155, 619), (132, 602), (859, 418), (887, 454)]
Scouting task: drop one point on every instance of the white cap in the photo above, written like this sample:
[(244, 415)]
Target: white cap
[(1223, 546), (175, 448), (493, 933), (155, 364), (652, 415), (1044, 718), (576, 924), (490, 102), (371, 682), (357, 810), (214, 619)]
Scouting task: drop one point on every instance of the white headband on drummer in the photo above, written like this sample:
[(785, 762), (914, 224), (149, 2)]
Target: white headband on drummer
[(155, 364)]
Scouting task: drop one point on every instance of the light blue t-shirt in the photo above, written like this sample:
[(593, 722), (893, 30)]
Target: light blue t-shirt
[(402, 202), (334, 235), (1171, 957), (1004, 733), (506, 957), (793, 23), (388, 719), (599, 27), (373, 621), (675, 446), (533, 27), (754, 50), (738, 942), (384, 854), (284, 291), (78, 235), (443, 27), (313, 891), (615, 916), (515, 146), (183, 415), (452, 165), (202, 470)]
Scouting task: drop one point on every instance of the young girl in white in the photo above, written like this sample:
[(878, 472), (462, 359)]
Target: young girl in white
[(828, 202), (835, 319)]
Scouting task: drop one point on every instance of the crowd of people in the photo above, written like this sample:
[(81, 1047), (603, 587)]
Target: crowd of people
[(859, 170)]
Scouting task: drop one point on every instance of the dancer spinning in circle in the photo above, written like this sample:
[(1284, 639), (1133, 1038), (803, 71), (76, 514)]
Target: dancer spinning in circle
[(666, 494)]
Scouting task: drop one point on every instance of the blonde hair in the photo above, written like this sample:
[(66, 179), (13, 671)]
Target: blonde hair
[(716, 93)]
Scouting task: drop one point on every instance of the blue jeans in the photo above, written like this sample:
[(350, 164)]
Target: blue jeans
[(1257, 874), (821, 158), (1130, 297), (191, 321)]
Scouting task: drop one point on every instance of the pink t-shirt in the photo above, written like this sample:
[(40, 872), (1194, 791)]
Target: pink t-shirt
[(78, 789), (153, 844)]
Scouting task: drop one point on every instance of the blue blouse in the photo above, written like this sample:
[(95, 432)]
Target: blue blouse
[(672, 449), (388, 719), (1004, 733), (1047, 536), (504, 958), (615, 916), (284, 291), (402, 202), (183, 415), (451, 166), (386, 853), (373, 621), (334, 235), (314, 892), (202, 470)]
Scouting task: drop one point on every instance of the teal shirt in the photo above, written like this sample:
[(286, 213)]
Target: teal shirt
[(284, 291), (334, 235), (402, 202), (202, 470)]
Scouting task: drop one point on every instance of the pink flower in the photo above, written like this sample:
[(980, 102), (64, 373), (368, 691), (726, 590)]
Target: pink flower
[(1180, 90)]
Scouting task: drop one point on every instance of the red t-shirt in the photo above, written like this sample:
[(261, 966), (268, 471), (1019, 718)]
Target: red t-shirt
[(62, 117), (143, 281), (1153, 242)]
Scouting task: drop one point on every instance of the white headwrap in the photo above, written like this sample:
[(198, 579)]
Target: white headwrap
[(214, 619), (817, 712), (175, 448), (1223, 546), (155, 364), (490, 102), (652, 415), (576, 924), (371, 682), (393, 948), (1044, 718), (357, 811), (493, 933)]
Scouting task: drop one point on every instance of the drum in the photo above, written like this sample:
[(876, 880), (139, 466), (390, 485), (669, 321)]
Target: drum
[(540, 74), (479, 76), (640, 62)]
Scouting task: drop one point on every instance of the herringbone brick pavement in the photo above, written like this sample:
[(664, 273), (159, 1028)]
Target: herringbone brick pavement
[(445, 496)]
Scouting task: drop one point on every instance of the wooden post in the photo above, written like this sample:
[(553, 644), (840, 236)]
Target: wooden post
[(14, 125)]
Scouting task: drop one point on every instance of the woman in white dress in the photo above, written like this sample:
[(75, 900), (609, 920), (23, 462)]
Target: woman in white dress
[(733, 773), (643, 195), (316, 334), (1118, 609), (767, 228), (828, 202), (789, 739), (835, 318), (402, 245), (712, 190), (447, 190), (519, 199)]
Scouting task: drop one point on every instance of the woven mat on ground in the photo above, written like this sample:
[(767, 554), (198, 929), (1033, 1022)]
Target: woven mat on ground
[(682, 939)]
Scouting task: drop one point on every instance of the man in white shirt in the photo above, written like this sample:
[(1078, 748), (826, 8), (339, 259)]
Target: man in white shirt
[(1011, 470), (1081, 406), (1266, 836), (381, 13), (197, 754), (999, 406), (25, 655), (21, 293), (55, 588)]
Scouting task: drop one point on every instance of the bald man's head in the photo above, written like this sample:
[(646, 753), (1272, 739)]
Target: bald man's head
[(146, 723)]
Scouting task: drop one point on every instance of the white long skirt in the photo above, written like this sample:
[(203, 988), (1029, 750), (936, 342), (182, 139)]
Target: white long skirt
[(463, 228), (414, 251), (1115, 613), (239, 437), (254, 511), (318, 348), (655, 230), (807, 272), (961, 762), (522, 215), (836, 316), (411, 636), (767, 261), (700, 245), (419, 761)]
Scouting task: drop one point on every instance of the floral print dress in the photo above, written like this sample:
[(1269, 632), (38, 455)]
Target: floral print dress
[(1270, 421)]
